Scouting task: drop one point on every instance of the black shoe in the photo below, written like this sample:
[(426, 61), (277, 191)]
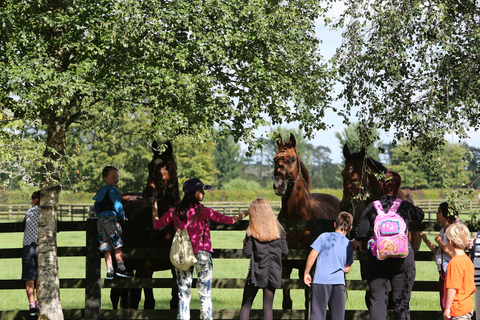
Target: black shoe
[(124, 273), (109, 276), (33, 312)]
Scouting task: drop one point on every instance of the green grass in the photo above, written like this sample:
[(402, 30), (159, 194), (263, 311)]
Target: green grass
[(74, 267)]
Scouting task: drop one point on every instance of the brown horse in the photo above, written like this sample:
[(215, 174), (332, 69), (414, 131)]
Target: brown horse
[(361, 187), (292, 182), (138, 232)]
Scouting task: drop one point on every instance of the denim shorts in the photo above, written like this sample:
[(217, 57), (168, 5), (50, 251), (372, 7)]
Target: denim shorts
[(30, 262)]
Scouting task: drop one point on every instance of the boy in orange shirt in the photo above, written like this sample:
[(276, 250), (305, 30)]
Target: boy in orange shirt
[(459, 284)]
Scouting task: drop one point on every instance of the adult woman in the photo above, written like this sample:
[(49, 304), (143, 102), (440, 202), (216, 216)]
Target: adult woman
[(189, 210), (442, 254), (399, 273), (265, 243)]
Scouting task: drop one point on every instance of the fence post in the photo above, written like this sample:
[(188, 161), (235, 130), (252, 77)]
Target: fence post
[(92, 272)]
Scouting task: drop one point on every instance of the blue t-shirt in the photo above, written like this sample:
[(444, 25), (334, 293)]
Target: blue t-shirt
[(334, 253)]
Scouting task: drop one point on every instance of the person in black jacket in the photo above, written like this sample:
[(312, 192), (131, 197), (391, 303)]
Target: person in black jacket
[(265, 243), (399, 273)]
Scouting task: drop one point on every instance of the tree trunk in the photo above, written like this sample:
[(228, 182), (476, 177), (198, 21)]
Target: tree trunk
[(49, 283)]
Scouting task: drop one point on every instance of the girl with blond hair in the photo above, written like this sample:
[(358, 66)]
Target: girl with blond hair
[(265, 244)]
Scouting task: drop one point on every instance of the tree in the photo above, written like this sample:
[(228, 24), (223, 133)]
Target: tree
[(195, 161), (417, 174), (411, 67), (227, 160), (356, 139), (190, 64)]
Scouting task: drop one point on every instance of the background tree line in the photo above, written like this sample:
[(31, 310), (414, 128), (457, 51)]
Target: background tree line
[(222, 162)]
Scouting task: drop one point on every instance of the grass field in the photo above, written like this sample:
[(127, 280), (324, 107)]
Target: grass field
[(74, 267)]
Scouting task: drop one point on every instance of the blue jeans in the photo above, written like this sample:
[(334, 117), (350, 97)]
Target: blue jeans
[(204, 267)]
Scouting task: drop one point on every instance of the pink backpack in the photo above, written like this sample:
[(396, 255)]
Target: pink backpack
[(390, 238)]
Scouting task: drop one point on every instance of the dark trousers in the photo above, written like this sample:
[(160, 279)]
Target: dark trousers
[(395, 272), (332, 295)]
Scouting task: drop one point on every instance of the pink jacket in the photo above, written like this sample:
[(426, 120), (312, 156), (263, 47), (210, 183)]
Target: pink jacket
[(198, 230)]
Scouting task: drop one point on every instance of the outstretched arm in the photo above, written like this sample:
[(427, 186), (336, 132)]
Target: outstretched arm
[(240, 216), (429, 244), (154, 212)]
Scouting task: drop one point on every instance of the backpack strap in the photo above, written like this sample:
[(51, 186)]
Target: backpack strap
[(393, 209), (395, 205), (378, 206), (197, 211)]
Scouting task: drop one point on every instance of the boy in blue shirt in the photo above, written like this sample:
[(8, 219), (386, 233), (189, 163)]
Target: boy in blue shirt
[(109, 209), (334, 255)]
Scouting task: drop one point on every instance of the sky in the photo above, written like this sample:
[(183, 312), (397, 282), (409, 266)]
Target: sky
[(331, 40)]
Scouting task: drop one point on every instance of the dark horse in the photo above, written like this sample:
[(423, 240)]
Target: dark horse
[(361, 187), (292, 182), (138, 232)]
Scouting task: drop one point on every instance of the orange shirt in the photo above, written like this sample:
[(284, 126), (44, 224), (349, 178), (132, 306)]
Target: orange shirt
[(460, 272)]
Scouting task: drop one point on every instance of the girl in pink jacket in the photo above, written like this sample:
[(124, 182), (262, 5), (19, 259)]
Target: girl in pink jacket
[(189, 210)]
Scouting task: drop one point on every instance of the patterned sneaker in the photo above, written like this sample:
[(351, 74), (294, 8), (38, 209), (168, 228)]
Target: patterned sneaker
[(109, 276), (124, 273), (33, 311)]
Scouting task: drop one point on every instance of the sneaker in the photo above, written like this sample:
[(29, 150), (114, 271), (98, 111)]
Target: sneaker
[(33, 311), (109, 276), (124, 273)]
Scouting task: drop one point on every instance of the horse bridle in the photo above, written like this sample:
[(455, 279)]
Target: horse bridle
[(164, 188), (291, 184), (361, 189)]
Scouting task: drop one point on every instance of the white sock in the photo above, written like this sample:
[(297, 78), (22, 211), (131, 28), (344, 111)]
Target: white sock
[(120, 265)]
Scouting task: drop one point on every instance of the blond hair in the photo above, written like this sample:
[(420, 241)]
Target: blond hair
[(459, 234), (263, 225)]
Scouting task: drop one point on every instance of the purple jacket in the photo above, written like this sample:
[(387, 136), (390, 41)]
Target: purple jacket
[(198, 230)]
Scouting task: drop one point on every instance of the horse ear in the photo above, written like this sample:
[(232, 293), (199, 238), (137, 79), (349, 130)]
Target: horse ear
[(293, 142), (155, 147), (279, 141), (169, 150), (346, 152)]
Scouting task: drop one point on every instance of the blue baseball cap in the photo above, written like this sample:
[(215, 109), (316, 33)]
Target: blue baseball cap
[(194, 184)]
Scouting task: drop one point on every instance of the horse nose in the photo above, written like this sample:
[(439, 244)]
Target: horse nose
[(279, 188)]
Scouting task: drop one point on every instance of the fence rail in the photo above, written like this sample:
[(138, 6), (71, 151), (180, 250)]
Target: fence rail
[(92, 283), (80, 212)]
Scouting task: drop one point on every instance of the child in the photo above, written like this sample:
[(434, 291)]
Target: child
[(442, 254), (30, 252), (189, 210), (265, 243), (334, 255), (459, 284), (109, 209)]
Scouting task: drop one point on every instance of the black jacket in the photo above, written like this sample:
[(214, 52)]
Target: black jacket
[(266, 264)]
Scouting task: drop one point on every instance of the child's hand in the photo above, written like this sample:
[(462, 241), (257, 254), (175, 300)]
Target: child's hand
[(423, 235), (307, 278), (446, 314), (470, 244)]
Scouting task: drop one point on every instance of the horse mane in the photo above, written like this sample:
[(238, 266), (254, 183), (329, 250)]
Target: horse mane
[(370, 161), (377, 164), (306, 176)]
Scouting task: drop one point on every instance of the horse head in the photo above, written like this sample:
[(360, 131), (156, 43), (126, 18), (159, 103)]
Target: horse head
[(162, 175), (360, 185), (288, 166)]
